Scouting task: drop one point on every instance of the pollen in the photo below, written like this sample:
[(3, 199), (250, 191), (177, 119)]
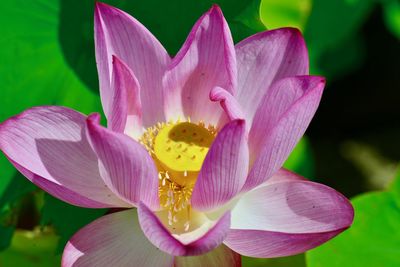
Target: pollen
[(178, 149)]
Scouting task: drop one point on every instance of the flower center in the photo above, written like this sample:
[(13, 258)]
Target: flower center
[(178, 150)]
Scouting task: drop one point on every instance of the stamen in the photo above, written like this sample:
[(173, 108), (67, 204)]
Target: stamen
[(178, 150)]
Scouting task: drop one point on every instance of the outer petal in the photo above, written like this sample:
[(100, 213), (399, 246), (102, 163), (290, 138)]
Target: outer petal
[(287, 217), (265, 244), (113, 240), (125, 165), (264, 58), (224, 169), (49, 146), (126, 107), (219, 257), (207, 59), (117, 33), (280, 122), (189, 244)]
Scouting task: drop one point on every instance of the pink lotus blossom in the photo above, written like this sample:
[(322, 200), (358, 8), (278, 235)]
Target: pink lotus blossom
[(193, 149)]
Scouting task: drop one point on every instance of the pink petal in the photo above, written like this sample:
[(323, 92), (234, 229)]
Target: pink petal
[(125, 165), (224, 169), (265, 244), (228, 102), (206, 60), (280, 122), (49, 146), (117, 33), (264, 58), (219, 257), (287, 216), (113, 240), (126, 107), (194, 245)]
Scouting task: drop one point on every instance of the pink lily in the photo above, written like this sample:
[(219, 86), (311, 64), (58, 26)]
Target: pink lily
[(193, 149)]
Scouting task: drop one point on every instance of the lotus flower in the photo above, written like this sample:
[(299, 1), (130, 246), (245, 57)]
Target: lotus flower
[(192, 153)]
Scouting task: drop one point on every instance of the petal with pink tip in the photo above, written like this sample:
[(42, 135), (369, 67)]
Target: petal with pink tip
[(219, 257), (287, 216), (191, 243), (125, 165), (224, 169), (281, 120), (49, 146), (113, 240), (126, 107), (117, 33), (264, 58), (206, 60)]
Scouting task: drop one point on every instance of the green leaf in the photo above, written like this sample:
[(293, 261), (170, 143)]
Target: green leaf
[(395, 187), (250, 17), (345, 57), (292, 261), (285, 13), (17, 187), (6, 234), (391, 12), (372, 240), (330, 24), (66, 219), (31, 249), (34, 71), (10, 202)]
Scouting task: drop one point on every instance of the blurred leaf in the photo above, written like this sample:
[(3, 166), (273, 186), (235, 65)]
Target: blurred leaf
[(6, 234), (34, 72), (391, 9), (301, 159), (31, 249), (345, 57), (285, 13), (373, 239), (330, 24), (33, 65), (66, 219), (7, 172), (395, 187), (250, 17), (292, 261), (17, 187), (10, 201)]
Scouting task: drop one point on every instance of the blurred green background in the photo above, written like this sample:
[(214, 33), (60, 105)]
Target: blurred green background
[(352, 145)]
